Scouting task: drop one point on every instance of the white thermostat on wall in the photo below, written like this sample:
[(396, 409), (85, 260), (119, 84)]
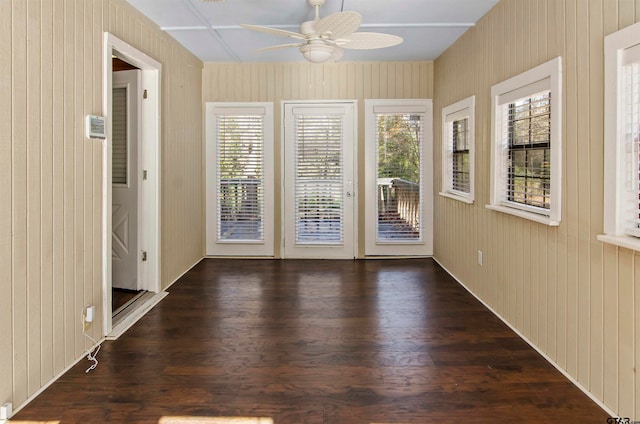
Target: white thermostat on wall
[(96, 127)]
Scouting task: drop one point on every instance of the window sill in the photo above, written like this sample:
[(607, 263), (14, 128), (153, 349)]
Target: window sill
[(627, 242), (524, 214), (456, 197)]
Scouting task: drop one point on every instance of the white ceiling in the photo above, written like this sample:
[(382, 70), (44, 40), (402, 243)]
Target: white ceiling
[(211, 31)]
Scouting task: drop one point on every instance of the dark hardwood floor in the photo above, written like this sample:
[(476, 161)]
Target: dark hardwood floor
[(297, 341)]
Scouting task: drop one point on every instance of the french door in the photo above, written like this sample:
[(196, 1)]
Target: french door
[(319, 199)]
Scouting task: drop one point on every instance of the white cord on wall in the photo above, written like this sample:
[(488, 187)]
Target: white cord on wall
[(93, 353)]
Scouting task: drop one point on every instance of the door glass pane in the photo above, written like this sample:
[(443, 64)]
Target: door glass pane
[(399, 139), (319, 179), (240, 180), (119, 136)]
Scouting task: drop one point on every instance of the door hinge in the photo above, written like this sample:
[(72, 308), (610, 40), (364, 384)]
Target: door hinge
[(144, 94), (144, 256), (144, 174)]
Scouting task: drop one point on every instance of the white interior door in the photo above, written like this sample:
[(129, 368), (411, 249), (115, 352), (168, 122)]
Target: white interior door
[(319, 180), (125, 255)]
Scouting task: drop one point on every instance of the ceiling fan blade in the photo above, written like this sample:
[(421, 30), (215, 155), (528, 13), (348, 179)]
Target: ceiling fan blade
[(274, 31), (369, 40), (339, 24), (278, 47)]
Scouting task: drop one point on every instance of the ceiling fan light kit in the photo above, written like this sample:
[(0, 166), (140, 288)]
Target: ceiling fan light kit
[(317, 53), (324, 39)]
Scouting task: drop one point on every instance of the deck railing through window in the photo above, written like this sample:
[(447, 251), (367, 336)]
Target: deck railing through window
[(398, 209)]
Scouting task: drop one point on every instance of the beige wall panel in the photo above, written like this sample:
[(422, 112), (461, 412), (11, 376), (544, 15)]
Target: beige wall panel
[(583, 312), (596, 320), (47, 180), (78, 145), (610, 16), (19, 200), (68, 178), (625, 312), (596, 124), (50, 231), (610, 298), (534, 286), (6, 220), (552, 287), (583, 138), (34, 207), (543, 291), (626, 12), (91, 66), (96, 105), (559, 286)]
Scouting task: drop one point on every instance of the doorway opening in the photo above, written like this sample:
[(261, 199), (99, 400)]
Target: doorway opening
[(131, 175)]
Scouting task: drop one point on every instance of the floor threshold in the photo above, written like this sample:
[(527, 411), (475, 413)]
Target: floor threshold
[(135, 310)]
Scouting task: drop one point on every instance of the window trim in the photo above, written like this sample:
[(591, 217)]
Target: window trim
[(549, 75), (464, 108), (214, 246), (615, 45)]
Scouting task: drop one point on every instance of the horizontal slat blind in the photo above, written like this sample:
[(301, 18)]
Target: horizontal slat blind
[(632, 139), (119, 126), (461, 166), (319, 179), (240, 179), (399, 169), (529, 150)]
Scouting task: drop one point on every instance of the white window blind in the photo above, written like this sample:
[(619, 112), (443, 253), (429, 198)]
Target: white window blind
[(240, 178), (399, 169), (631, 116), (528, 135), (319, 179), (460, 161), (119, 133)]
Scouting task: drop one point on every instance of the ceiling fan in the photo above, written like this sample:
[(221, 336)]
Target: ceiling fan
[(324, 39)]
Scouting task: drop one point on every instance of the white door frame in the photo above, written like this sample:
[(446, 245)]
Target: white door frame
[(354, 188), (149, 193)]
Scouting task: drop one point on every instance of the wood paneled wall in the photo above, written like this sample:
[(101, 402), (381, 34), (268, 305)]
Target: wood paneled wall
[(266, 82), (575, 298), (51, 176)]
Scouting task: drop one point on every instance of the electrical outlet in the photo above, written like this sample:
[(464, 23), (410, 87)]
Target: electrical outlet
[(91, 310), (480, 257), (88, 314)]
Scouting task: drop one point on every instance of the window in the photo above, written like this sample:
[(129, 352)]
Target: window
[(239, 179), (458, 152), (119, 136), (622, 138), (398, 178), (526, 144)]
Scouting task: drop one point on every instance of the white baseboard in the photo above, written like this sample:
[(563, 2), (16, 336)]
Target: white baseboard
[(175, 280)]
